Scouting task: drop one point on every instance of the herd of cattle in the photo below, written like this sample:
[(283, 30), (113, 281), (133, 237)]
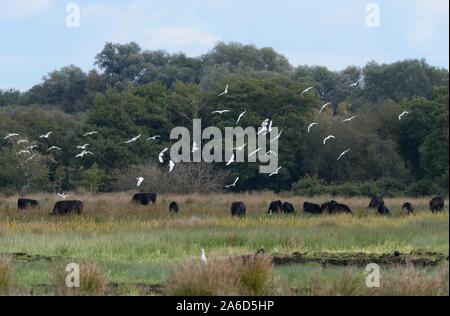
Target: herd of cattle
[(238, 209)]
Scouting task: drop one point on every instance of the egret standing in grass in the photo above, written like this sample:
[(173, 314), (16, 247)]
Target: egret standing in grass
[(203, 259)]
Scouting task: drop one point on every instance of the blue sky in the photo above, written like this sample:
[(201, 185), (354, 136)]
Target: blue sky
[(35, 40)]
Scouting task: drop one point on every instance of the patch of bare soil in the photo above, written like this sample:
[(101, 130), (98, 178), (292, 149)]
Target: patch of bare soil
[(25, 257)]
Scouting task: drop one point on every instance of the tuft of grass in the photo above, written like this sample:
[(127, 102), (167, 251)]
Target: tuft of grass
[(93, 281), (6, 275), (226, 277)]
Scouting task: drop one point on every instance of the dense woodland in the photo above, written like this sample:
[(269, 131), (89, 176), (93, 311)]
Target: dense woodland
[(132, 91)]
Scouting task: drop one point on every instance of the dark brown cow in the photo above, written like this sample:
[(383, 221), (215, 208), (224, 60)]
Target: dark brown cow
[(67, 207), (144, 198), (23, 204), (238, 209), (437, 204)]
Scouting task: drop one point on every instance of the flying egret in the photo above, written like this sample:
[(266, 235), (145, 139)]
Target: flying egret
[(171, 165), (221, 112), (276, 172), (161, 155), (240, 148), (132, 140), (271, 152), (24, 152), (276, 137), (11, 135), (32, 147), (232, 185), (310, 126), (269, 129), (328, 138), (231, 160), (63, 195), (83, 147), (355, 83), (22, 141), (90, 133), (307, 90), (343, 154), (54, 148), (264, 126), (254, 152), (203, 259), (154, 137), (46, 135), (324, 106), (84, 153), (240, 117), (139, 181), (224, 92), (349, 119), (31, 158), (403, 114)]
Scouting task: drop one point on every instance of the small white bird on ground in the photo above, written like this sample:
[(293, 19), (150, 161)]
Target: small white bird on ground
[(254, 152), (221, 112), (83, 147), (11, 135), (63, 195), (139, 181), (54, 148), (203, 259), (171, 166), (154, 137), (132, 140), (276, 137), (24, 152), (403, 114), (224, 92), (240, 148), (240, 117), (195, 147), (46, 135), (343, 154), (307, 90), (276, 172), (349, 119), (22, 141), (324, 107), (234, 183), (231, 160), (84, 153), (90, 133), (161, 155), (328, 138), (311, 126)]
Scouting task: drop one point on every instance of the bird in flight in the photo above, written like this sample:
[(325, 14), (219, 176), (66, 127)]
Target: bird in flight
[(240, 148), (22, 141), (24, 152), (254, 152), (46, 135), (154, 137), (276, 172), (195, 147), (84, 153), (132, 140), (324, 106), (349, 119), (269, 129), (225, 92), (11, 135), (271, 152), (403, 114), (63, 195), (203, 259), (161, 155), (355, 83), (139, 181), (83, 147), (171, 165), (264, 126), (221, 112), (240, 117), (32, 147), (310, 126), (234, 183), (31, 158), (328, 138), (276, 137), (343, 154), (307, 90), (90, 133), (53, 148), (231, 160)]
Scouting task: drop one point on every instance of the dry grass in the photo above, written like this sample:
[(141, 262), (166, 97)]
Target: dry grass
[(6, 275), (226, 277)]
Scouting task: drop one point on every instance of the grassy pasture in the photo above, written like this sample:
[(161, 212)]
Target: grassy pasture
[(139, 245)]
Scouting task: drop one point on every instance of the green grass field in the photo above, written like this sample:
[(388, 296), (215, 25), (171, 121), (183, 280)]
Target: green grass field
[(138, 245)]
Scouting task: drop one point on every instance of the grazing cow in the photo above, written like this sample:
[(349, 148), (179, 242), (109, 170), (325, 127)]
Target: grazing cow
[(238, 209), (275, 207), (311, 208), (173, 207), (407, 209), (338, 208), (288, 208), (67, 207), (437, 204), (382, 209), (144, 198), (23, 204), (327, 205), (376, 201)]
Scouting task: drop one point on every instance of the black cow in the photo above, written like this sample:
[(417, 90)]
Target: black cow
[(23, 204), (173, 207), (339, 208), (376, 201), (311, 208), (382, 209), (275, 207), (288, 208), (327, 205), (238, 209), (144, 198), (437, 204), (407, 209), (67, 207)]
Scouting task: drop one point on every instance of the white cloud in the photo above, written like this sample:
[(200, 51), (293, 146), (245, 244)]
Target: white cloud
[(20, 9)]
